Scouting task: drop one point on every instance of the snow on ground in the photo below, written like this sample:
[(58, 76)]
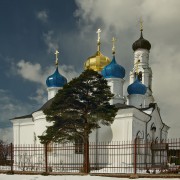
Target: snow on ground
[(39, 177)]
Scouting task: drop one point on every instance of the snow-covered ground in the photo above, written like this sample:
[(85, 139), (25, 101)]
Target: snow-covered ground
[(39, 177)]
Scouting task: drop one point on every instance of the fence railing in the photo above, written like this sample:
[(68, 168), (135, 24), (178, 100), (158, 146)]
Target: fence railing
[(105, 157)]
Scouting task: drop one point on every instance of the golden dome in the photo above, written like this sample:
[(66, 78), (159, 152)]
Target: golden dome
[(98, 61)]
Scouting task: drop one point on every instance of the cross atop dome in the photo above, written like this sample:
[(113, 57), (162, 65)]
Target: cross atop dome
[(56, 80), (98, 61), (56, 53), (98, 32), (141, 24), (141, 43), (113, 45), (98, 39)]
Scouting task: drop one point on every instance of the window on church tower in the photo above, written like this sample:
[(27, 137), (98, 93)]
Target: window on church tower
[(139, 143), (140, 76), (79, 146), (148, 145), (153, 132), (150, 82)]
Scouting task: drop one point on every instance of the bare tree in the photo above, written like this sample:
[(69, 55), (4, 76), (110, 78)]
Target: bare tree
[(4, 153)]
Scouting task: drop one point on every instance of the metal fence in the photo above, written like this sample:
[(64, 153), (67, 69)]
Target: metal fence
[(105, 157)]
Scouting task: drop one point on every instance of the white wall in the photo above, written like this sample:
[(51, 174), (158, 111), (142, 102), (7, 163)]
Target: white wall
[(23, 130), (40, 124)]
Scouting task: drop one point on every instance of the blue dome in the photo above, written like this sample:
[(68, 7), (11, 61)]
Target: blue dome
[(56, 80), (137, 88), (113, 70)]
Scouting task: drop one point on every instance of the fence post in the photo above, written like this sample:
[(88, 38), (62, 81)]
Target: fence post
[(12, 159), (46, 157), (135, 155)]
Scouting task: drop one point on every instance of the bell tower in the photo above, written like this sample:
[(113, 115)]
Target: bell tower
[(141, 49)]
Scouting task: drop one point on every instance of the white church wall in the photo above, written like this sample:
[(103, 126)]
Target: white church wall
[(138, 127), (142, 55), (23, 130), (52, 91), (136, 100), (122, 126), (161, 129), (104, 133), (116, 86), (40, 124)]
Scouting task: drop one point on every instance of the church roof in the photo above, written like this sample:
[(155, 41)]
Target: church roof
[(123, 106), (49, 102), (45, 106), (22, 117)]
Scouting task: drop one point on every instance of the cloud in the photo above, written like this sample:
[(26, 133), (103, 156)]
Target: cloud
[(14, 107), (40, 95), (35, 73), (42, 16), (120, 18), (50, 41), (29, 71), (10, 107)]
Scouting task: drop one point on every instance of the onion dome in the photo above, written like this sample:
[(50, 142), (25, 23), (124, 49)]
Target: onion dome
[(98, 61), (113, 70), (137, 88), (141, 43), (56, 79)]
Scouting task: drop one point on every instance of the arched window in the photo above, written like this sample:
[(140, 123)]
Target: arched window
[(148, 144), (140, 76), (139, 142), (153, 131)]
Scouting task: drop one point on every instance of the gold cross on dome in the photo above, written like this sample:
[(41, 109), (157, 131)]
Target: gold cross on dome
[(56, 53), (141, 23), (113, 44), (98, 32)]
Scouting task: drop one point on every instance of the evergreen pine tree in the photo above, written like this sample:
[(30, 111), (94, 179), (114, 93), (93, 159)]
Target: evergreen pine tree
[(78, 109)]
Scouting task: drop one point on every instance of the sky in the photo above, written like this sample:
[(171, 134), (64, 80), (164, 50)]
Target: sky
[(31, 31)]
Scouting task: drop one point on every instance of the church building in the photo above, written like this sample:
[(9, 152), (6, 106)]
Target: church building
[(138, 113)]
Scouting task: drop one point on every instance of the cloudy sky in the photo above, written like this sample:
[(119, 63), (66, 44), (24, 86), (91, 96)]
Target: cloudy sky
[(31, 31)]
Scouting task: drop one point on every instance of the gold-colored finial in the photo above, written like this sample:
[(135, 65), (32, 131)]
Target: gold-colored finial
[(141, 23), (56, 53), (98, 39), (113, 45)]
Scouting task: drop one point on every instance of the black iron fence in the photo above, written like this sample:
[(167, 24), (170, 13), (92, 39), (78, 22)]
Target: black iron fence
[(105, 157)]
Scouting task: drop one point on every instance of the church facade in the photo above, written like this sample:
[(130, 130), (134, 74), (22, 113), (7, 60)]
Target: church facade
[(138, 116)]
